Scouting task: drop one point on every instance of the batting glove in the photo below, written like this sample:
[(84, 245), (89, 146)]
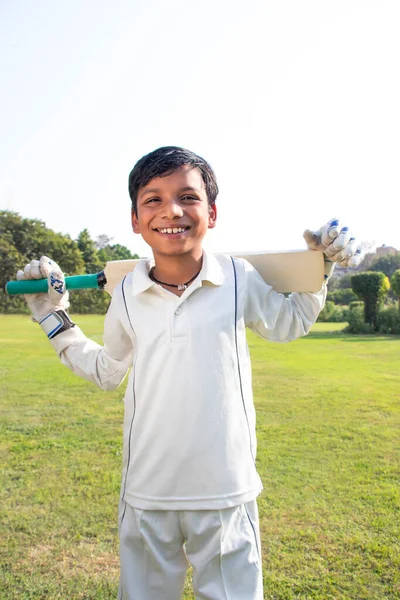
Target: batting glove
[(49, 310), (337, 244)]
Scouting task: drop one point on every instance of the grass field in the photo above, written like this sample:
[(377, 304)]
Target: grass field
[(329, 456)]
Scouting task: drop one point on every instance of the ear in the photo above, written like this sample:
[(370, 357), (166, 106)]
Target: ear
[(135, 223), (212, 216)]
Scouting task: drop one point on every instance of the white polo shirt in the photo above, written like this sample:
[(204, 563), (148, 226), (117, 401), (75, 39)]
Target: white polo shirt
[(189, 425)]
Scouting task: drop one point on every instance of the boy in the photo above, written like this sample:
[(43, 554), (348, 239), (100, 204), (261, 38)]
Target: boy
[(189, 482)]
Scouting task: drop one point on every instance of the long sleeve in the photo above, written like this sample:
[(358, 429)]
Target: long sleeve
[(274, 316), (105, 365)]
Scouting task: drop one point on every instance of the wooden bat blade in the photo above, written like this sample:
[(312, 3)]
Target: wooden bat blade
[(293, 271), (115, 271)]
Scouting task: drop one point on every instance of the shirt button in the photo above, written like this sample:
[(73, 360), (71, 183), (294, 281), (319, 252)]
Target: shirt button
[(178, 311)]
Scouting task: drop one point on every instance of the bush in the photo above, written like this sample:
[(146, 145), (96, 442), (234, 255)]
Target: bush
[(355, 319), (326, 312), (89, 302), (356, 304), (345, 314), (342, 296), (388, 320), (332, 313), (395, 283), (371, 287)]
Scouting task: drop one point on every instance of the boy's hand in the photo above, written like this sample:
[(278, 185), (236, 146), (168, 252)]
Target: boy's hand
[(337, 243), (57, 296)]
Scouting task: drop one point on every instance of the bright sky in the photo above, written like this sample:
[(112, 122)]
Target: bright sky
[(296, 105)]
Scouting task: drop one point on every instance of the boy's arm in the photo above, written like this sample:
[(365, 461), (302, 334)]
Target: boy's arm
[(275, 317), (104, 365)]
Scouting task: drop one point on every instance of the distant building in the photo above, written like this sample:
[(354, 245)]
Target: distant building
[(367, 260), (384, 250)]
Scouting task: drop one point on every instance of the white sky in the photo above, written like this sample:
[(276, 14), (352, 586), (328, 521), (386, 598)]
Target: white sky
[(296, 105)]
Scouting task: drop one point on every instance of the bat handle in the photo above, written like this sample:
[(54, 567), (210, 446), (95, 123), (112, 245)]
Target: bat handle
[(38, 286)]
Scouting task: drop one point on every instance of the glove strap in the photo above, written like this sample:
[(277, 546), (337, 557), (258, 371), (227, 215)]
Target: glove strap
[(329, 266), (56, 322)]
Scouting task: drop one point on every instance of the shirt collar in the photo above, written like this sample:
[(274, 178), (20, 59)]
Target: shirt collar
[(140, 277), (211, 271)]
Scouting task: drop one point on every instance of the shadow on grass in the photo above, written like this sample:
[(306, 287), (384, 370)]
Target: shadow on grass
[(351, 337)]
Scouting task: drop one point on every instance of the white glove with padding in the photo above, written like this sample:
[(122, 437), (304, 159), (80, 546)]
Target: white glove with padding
[(337, 244), (57, 297)]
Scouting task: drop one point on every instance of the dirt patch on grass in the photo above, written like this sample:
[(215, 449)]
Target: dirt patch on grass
[(83, 558), (87, 559)]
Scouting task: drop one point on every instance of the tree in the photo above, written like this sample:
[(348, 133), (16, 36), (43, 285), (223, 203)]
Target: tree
[(115, 252), (371, 287), (344, 282), (395, 283), (387, 264), (89, 252), (102, 241), (10, 261), (89, 301), (32, 239), (22, 240), (342, 296), (339, 281), (96, 255)]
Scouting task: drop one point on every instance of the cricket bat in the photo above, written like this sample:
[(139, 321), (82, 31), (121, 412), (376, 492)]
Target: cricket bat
[(291, 271)]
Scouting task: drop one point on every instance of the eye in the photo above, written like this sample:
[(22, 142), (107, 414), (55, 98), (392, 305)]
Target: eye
[(152, 200), (189, 198)]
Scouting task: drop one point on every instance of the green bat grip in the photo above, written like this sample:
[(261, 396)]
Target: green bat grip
[(37, 286)]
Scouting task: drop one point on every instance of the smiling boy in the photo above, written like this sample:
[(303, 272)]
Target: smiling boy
[(173, 213), (189, 480)]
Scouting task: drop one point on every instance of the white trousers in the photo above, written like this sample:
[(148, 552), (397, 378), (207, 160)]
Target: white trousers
[(223, 547)]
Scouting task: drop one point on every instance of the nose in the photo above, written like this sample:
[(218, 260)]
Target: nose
[(173, 210)]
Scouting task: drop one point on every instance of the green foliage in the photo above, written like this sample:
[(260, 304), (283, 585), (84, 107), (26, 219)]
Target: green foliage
[(345, 281), (115, 252), (9, 257), (342, 296), (395, 283), (355, 319), (89, 302), (339, 282), (387, 264), (333, 313), (95, 257), (371, 287), (31, 238), (345, 314), (89, 252), (355, 304), (326, 312), (388, 320), (22, 240)]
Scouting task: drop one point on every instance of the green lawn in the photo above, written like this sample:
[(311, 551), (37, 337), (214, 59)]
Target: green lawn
[(329, 456)]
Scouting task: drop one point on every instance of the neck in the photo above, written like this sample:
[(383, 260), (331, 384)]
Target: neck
[(177, 269)]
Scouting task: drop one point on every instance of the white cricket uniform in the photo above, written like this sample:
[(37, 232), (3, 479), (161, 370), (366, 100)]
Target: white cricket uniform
[(189, 426)]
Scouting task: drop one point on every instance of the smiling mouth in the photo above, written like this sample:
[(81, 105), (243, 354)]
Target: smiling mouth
[(170, 230)]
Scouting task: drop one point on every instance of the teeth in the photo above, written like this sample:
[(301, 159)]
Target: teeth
[(174, 230)]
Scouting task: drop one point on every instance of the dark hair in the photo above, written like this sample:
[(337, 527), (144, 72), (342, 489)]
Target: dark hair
[(163, 162)]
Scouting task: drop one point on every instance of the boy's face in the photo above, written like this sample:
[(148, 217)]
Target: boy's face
[(173, 213)]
